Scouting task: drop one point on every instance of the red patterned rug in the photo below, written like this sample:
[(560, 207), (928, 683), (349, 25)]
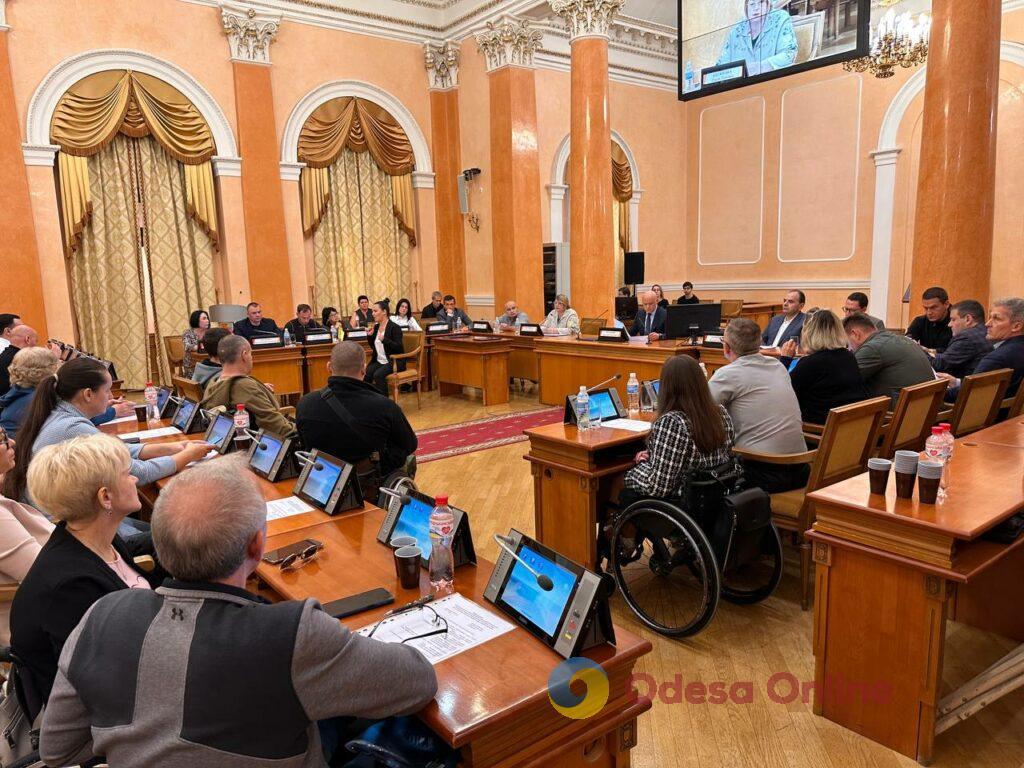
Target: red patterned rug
[(481, 434)]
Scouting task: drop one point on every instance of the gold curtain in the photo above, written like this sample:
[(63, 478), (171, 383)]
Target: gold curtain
[(622, 175), (359, 247), (179, 253), (362, 127), (106, 273), (98, 108)]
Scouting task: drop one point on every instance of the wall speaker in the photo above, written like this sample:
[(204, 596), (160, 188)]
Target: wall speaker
[(634, 267)]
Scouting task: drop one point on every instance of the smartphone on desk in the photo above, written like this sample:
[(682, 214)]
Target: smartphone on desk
[(353, 604), (276, 556)]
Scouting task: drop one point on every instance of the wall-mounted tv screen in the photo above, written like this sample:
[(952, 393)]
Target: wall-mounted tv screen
[(731, 43)]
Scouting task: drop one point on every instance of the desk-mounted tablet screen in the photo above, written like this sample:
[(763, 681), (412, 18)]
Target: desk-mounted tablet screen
[(220, 432), (187, 416), (163, 401), (571, 616), (265, 451), (329, 483), (649, 392), (413, 519), (605, 403)]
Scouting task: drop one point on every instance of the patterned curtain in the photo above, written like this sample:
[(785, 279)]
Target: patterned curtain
[(359, 247), (619, 247), (106, 272), (141, 256), (179, 252)]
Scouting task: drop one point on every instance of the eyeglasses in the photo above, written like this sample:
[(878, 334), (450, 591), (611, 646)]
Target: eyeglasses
[(299, 559), (438, 624)]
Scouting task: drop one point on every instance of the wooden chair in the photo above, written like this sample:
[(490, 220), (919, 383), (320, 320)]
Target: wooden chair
[(731, 308), (590, 326), (175, 349), (193, 390), (412, 342), (977, 405), (1014, 406), (848, 439), (912, 418)]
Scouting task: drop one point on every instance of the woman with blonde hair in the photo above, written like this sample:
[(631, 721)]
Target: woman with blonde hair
[(86, 485), (826, 376), (563, 315)]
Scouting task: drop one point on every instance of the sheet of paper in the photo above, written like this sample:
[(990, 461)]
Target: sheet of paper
[(286, 507), (211, 454), (147, 434), (633, 425), (123, 419), (469, 625)]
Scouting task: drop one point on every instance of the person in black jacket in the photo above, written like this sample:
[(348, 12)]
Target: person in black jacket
[(385, 341), (374, 423), (650, 320), (86, 485), (827, 376), (1006, 332), (970, 343), (931, 330)]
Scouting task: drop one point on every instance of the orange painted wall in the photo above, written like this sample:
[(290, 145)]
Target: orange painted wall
[(451, 239), (21, 289)]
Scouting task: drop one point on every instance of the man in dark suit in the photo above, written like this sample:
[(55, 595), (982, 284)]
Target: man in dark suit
[(1006, 332), (789, 324), (970, 340), (255, 325), (650, 320)]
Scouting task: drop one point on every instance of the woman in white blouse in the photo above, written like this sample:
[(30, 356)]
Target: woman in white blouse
[(563, 316), (403, 316)]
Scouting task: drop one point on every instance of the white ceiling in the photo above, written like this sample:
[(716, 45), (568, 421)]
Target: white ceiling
[(655, 11)]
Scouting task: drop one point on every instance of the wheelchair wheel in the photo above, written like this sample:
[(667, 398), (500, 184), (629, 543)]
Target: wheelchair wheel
[(665, 569), (754, 566)]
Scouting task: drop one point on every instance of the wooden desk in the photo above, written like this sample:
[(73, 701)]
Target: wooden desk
[(282, 367), (573, 473), (1009, 432), (317, 358), (890, 572), (492, 701), (479, 361), (564, 363)]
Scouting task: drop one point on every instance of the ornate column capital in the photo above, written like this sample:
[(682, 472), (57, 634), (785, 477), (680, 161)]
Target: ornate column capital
[(249, 32), (508, 42), (587, 18), (442, 63)]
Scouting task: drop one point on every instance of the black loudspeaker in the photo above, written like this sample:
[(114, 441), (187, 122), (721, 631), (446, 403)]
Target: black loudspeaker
[(634, 267)]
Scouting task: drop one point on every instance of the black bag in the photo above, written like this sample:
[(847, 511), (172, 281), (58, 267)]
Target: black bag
[(404, 742)]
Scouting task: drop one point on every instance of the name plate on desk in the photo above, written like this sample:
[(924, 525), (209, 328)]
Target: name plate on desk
[(530, 329), (319, 338), (356, 335), (437, 328), (481, 326), (265, 342), (713, 341), (612, 334)]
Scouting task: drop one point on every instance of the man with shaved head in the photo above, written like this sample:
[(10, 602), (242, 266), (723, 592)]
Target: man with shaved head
[(202, 671), (352, 420), (20, 337), (650, 320)]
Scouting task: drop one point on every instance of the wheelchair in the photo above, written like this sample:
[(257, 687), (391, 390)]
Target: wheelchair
[(673, 559)]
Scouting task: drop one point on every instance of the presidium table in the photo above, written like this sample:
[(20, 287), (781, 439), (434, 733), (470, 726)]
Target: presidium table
[(890, 572), (492, 700)]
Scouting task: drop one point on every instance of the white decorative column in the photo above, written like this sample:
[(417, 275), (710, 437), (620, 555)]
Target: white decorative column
[(881, 241), (249, 32)]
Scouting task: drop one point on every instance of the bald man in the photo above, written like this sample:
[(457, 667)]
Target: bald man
[(21, 337), (650, 320)]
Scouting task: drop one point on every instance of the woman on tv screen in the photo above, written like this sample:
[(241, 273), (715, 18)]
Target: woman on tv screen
[(764, 39)]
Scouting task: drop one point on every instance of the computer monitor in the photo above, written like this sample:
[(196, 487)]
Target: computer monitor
[(707, 318), (626, 307)]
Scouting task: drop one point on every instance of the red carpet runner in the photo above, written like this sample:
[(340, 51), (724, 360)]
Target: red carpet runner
[(470, 436)]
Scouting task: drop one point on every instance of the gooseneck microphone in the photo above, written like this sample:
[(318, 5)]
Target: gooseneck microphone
[(616, 377), (543, 581), (307, 458), (403, 498)]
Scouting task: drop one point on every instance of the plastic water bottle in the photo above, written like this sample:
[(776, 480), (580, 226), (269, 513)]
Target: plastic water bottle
[(689, 77), (442, 563), (633, 395), (947, 435), (583, 409), (287, 338), (241, 424), (150, 394), (334, 333), (458, 323), (936, 448)]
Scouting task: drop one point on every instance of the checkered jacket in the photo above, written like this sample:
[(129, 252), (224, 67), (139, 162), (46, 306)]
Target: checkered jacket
[(673, 454)]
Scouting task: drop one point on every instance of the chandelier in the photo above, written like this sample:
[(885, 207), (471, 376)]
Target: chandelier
[(896, 41)]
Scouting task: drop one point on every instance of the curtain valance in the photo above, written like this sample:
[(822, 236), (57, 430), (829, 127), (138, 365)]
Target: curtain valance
[(99, 107), (622, 175), (361, 126)]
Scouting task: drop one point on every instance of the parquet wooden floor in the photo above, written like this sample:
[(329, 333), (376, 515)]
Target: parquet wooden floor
[(742, 644)]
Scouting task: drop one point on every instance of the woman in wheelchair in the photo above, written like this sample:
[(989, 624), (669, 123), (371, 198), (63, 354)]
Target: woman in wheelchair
[(682, 534)]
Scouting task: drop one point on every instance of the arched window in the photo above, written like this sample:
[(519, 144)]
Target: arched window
[(139, 214)]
